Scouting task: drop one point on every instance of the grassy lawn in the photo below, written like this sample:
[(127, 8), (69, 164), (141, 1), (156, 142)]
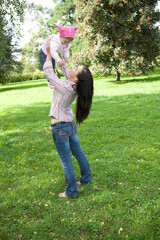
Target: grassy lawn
[(121, 139)]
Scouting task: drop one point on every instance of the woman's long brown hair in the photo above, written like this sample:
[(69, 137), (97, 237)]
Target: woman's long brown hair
[(85, 93)]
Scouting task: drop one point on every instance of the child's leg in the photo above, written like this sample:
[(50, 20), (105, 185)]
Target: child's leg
[(53, 64), (42, 58)]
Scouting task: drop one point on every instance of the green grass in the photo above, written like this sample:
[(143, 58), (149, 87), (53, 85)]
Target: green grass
[(121, 139)]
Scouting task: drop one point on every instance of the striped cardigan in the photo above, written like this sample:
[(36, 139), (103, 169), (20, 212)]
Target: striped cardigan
[(63, 95)]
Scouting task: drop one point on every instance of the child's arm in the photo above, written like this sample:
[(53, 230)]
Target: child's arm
[(66, 52), (61, 62), (53, 49), (65, 71)]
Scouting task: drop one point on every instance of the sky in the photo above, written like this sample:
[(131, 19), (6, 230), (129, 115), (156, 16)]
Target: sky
[(45, 3)]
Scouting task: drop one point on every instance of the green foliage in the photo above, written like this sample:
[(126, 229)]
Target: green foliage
[(25, 77), (121, 141), (8, 63), (63, 12), (11, 16), (122, 34), (82, 57), (3, 76)]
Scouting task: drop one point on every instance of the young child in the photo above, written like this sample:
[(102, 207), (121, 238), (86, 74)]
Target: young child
[(59, 43)]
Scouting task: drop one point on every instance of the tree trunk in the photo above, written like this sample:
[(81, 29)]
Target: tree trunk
[(117, 76)]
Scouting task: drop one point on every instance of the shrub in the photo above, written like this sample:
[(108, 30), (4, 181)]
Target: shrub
[(25, 77)]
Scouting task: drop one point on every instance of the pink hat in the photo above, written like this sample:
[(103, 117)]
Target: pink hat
[(67, 31)]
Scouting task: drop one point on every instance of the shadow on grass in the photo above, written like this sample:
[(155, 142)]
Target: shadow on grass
[(21, 87)]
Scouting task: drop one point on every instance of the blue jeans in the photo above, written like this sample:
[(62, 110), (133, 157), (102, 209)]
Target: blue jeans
[(66, 141)]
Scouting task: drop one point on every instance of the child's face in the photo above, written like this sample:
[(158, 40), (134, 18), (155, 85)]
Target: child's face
[(65, 41)]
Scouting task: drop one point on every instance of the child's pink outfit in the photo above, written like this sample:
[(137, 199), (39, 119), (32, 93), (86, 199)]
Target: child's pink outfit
[(56, 47)]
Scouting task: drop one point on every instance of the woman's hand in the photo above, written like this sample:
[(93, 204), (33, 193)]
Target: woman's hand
[(60, 63)]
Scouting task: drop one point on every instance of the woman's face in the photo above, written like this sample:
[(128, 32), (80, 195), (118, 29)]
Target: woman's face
[(74, 72)]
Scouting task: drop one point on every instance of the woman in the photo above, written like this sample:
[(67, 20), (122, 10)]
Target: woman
[(78, 83)]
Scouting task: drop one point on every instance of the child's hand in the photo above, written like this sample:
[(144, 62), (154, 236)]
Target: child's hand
[(61, 63), (66, 59)]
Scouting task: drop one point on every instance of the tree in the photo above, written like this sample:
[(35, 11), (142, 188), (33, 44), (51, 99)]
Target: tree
[(8, 62), (64, 12), (122, 34), (11, 15)]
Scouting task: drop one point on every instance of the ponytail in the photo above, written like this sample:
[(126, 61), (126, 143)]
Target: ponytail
[(84, 91)]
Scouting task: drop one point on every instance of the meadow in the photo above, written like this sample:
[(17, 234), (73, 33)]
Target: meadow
[(121, 139)]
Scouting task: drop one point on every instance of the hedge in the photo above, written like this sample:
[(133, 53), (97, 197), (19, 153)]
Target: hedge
[(25, 77)]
